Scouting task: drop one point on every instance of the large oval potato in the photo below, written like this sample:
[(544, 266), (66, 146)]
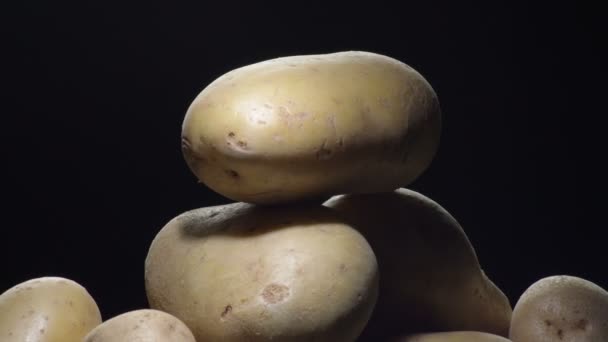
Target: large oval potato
[(454, 336), (48, 309), (431, 279), (561, 308), (310, 126), (141, 326), (239, 272)]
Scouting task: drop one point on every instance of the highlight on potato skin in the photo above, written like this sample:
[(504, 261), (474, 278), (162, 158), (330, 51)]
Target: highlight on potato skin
[(561, 308), (301, 127), (241, 272), (145, 325), (430, 277), (47, 309)]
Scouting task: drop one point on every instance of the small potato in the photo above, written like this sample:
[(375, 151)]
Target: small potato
[(142, 326), (239, 272), (49, 309), (561, 308), (454, 336), (430, 278), (312, 126)]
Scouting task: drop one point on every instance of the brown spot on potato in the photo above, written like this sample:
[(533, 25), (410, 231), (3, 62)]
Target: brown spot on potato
[(560, 334), (275, 293), (343, 268), (323, 153), (226, 311), (232, 174), (581, 324), (231, 134)]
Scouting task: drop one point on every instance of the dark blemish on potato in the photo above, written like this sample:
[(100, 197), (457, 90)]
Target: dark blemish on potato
[(275, 293), (581, 324), (41, 331), (136, 327), (226, 311), (323, 153), (171, 327), (213, 214), (359, 297), (560, 334), (343, 268), (242, 144), (232, 174), (231, 135), (340, 142), (46, 318), (548, 323)]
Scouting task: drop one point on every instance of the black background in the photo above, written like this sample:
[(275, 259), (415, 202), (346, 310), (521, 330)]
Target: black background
[(95, 93)]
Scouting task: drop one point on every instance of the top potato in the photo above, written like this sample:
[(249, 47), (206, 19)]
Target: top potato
[(312, 126)]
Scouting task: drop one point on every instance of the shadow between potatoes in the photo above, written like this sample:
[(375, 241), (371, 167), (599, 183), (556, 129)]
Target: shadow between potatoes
[(243, 219)]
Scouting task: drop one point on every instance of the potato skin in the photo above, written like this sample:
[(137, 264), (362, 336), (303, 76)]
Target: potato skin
[(240, 272), (312, 126), (431, 279), (453, 336), (144, 325), (561, 308), (47, 309)]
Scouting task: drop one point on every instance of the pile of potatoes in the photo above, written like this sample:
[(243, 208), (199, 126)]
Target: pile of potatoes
[(323, 241)]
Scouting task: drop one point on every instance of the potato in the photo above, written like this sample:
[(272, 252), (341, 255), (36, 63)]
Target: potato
[(454, 336), (141, 325), (431, 279), (312, 126), (239, 272), (561, 308), (48, 309)]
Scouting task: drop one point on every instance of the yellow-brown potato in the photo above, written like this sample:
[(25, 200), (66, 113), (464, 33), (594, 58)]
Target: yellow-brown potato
[(430, 278), (312, 126), (561, 308), (141, 326), (48, 309), (244, 273), (453, 336)]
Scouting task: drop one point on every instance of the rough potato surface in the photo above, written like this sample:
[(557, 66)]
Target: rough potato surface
[(312, 126), (48, 309), (241, 272), (454, 336), (561, 308), (431, 279), (141, 326)]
